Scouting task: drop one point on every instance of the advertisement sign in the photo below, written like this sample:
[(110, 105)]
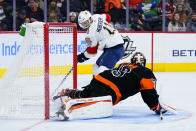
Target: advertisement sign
[(10, 45), (162, 50), (174, 48)]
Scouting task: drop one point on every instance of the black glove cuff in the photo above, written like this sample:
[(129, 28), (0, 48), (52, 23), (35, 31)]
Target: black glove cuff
[(85, 58)]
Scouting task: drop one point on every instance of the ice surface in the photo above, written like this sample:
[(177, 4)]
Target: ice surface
[(176, 89)]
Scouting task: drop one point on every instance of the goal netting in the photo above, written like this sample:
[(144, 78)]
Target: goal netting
[(47, 54)]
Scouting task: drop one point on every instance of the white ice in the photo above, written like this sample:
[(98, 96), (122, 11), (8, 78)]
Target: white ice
[(177, 89)]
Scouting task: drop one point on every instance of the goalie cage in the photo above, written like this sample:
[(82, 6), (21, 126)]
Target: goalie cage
[(48, 52)]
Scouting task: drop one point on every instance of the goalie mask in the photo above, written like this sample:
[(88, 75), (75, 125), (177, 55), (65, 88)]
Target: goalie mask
[(84, 19), (138, 58)]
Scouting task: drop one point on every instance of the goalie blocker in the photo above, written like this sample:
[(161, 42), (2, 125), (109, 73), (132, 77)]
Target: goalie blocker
[(84, 108)]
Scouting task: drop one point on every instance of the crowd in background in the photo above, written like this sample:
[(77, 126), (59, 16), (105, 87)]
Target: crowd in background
[(144, 15)]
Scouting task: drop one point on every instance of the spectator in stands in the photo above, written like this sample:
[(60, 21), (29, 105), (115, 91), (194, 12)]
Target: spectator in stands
[(21, 15), (191, 25), (117, 13), (169, 7), (132, 3), (7, 22), (186, 4), (33, 12), (180, 10), (176, 24), (75, 6), (53, 17), (136, 19), (152, 18), (2, 13), (40, 4), (73, 19), (53, 9), (53, 6), (149, 8)]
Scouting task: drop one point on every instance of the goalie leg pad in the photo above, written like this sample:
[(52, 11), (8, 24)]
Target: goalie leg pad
[(85, 108)]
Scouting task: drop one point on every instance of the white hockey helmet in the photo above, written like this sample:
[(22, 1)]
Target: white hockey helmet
[(84, 18), (138, 58)]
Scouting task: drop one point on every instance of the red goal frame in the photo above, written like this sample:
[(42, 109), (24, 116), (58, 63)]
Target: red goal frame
[(46, 61)]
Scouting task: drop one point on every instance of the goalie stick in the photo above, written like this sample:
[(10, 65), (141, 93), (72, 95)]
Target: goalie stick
[(162, 104), (62, 82), (56, 97), (169, 110)]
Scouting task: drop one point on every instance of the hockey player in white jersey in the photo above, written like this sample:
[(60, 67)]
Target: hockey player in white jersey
[(102, 36)]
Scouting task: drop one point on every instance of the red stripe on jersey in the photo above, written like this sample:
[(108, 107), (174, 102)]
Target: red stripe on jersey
[(92, 50), (108, 17)]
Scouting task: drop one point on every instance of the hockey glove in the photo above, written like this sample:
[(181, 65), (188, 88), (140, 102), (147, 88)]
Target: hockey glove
[(160, 109), (81, 58), (64, 92)]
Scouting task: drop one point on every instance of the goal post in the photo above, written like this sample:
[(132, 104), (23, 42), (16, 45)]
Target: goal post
[(66, 27), (48, 52)]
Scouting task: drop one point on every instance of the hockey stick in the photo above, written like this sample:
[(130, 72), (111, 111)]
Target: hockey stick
[(161, 115), (62, 81), (168, 108), (160, 94), (56, 97)]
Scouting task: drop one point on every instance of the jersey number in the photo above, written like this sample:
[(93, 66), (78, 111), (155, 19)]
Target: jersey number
[(107, 27), (121, 71)]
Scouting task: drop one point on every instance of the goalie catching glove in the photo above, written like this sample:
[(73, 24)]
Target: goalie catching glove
[(81, 58)]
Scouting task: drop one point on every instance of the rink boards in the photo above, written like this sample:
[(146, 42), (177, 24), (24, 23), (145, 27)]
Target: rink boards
[(165, 52)]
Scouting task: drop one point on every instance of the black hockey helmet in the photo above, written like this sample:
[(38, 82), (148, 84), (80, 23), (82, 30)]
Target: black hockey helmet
[(138, 58)]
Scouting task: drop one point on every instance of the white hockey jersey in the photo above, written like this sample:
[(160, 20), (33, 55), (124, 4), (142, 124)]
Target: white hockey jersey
[(102, 33)]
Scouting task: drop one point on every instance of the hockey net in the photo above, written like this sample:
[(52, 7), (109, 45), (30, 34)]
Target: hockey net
[(47, 54)]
